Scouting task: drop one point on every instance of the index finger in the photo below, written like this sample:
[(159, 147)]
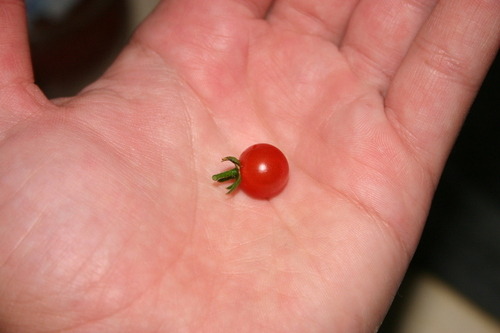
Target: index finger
[(437, 81)]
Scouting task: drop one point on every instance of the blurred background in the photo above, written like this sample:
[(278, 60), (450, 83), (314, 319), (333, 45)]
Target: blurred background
[(453, 284), (74, 41)]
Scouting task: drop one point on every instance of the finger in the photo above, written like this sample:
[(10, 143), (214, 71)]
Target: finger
[(379, 35), (439, 78), (15, 62), (327, 19), (207, 25), (175, 13), (207, 41)]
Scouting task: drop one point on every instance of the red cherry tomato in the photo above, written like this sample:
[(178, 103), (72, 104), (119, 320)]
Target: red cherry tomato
[(261, 171), (264, 171)]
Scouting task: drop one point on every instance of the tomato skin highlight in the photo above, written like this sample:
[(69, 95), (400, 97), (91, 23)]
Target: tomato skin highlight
[(264, 171)]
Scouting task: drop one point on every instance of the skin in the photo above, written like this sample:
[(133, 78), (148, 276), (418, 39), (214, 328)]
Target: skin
[(109, 221)]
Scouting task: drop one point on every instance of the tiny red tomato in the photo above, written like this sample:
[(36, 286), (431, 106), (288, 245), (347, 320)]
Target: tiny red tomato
[(261, 171), (264, 171)]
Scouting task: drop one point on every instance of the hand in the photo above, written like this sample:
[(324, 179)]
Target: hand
[(110, 222)]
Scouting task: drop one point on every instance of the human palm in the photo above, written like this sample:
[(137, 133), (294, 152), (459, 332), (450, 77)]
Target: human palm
[(110, 220)]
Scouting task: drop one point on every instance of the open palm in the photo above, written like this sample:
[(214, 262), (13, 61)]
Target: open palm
[(109, 219)]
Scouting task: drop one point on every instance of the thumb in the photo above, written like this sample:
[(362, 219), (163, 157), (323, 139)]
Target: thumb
[(19, 97), (15, 63)]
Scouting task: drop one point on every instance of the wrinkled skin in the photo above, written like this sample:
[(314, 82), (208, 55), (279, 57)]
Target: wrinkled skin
[(110, 222)]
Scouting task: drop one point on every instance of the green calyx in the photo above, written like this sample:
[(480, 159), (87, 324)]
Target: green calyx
[(230, 174)]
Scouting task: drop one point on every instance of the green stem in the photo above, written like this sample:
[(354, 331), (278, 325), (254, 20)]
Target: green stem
[(234, 185), (232, 159), (226, 175), (230, 174)]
